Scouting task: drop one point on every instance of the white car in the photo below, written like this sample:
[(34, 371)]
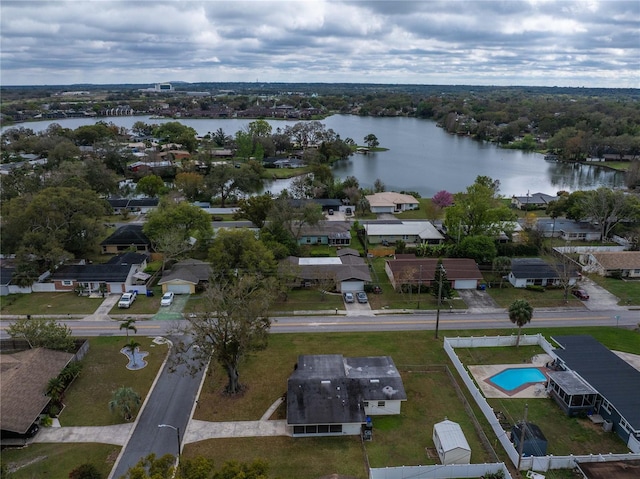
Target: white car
[(127, 299), (167, 299)]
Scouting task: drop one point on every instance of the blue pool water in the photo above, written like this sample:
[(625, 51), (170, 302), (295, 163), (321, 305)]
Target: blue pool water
[(511, 379)]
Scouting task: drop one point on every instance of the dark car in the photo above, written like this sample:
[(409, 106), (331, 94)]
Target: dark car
[(362, 297), (580, 294)]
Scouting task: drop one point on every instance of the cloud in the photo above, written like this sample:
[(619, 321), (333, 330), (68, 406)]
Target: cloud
[(565, 43)]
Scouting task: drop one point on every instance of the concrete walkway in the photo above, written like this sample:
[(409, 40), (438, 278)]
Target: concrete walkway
[(102, 312), (117, 434), (202, 430)]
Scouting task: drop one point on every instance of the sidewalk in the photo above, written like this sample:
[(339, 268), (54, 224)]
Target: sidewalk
[(117, 434)]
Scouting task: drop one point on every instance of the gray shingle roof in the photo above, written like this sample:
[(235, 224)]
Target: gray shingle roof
[(127, 235), (109, 273), (191, 270), (614, 379)]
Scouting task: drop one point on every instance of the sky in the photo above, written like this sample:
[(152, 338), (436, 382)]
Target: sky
[(453, 42)]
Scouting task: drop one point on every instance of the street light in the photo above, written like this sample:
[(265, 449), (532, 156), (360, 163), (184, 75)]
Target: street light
[(442, 273), (177, 430)]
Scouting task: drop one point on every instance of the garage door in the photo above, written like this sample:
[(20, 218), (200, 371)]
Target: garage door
[(179, 288), (351, 286), (465, 284)]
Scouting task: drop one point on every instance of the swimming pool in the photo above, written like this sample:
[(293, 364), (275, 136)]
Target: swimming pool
[(513, 378)]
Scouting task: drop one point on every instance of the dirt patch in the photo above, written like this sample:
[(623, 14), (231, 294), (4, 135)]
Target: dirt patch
[(15, 466)]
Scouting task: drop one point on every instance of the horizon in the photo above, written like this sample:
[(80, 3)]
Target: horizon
[(542, 43)]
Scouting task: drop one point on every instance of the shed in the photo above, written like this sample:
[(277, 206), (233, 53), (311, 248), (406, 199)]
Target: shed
[(451, 444), (534, 443)]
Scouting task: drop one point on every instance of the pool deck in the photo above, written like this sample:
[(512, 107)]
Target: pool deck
[(482, 373)]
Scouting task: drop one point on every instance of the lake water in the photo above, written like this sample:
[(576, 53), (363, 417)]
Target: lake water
[(421, 157)]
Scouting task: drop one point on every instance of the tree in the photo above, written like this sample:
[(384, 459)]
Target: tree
[(442, 199), (478, 211), (232, 322), (379, 186), (125, 401), (151, 467), (150, 185), (440, 275), (176, 132), (238, 251), (129, 325), (55, 390), (606, 208), (186, 219), (501, 266), (131, 346), (224, 181), (255, 209), (480, 248), (371, 140), (294, 216), (42, 333), (85, 471), (190, 184), (172, 244), (520, 313)]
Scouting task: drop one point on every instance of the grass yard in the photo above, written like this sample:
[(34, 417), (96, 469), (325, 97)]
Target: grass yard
[(628, 291), (56, 461), (546, 299), (400, 439), (48, 303), (142, 305), (104, 371), (309, 299)]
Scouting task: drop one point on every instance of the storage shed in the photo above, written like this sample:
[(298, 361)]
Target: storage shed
[(451, 444), (534, 444)]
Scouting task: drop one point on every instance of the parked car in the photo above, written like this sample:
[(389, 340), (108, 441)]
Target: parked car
[(348, 298), (127, 299), (362, 297), (580, 294), (167, 299), (330, 212)]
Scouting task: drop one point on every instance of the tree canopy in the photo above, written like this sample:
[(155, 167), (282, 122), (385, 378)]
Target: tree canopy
[(520, 314), (238, 251), (42, 333), (189, 220)]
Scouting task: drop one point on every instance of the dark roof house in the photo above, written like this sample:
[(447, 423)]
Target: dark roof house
[(536, 271), (125, 237), (333, 395), (616, 381)]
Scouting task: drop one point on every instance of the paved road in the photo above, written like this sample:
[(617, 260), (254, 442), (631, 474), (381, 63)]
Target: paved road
[(171, 402)]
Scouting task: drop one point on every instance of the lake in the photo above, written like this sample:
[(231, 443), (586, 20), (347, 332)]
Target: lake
[(421, 157)]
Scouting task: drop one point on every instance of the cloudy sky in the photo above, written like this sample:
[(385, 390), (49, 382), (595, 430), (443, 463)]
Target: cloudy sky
[(511, 42)]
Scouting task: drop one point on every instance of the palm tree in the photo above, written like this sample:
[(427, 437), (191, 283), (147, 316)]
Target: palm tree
[(55, 389), (132, 346), (129, 324), (520, 313), (501, 265), (125, 401)]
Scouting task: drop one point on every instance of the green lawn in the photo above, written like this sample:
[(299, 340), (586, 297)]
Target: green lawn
[(547, 299), (142, 305), (628, 291), (87, 399), (56, 461), (48, 303), (309, 299)]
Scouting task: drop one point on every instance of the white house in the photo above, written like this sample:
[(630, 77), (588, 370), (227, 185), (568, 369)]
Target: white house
[(537, 272), (412, 232), (391, 202), (451, 444)]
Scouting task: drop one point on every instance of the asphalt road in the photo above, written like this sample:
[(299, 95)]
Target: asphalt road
[(390, 322), (171, 402)]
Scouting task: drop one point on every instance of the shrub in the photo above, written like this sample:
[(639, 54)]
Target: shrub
[(85, 471), (536, 288)]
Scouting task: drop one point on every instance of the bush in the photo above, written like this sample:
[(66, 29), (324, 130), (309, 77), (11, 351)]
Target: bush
[(85, 471), (536, 288)]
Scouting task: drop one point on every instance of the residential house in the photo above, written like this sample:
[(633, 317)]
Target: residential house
[(6, 276), (613, 381), (121, 274), (346, 272), (568, 230), (333, 233), (462, 273), (330, 395), (627, 263), (411, 232), (140, 205), (186, 277), (126, 237), (24, 379), (537, 272), (325, 203), (391, 202), (532, 201)]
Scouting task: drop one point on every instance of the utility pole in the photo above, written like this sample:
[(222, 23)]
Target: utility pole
[(442, 271), (419, 286)]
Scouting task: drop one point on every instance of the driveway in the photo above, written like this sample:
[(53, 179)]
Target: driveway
[(478, 301), (173, 312), (599, 298)]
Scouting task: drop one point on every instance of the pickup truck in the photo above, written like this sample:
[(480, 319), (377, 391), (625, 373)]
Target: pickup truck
[(127, 299)]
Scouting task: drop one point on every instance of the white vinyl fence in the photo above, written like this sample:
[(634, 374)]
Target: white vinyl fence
[(452, 471)]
